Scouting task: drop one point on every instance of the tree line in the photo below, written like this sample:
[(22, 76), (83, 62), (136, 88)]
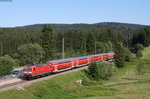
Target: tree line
[(28, 46), (142, 36)]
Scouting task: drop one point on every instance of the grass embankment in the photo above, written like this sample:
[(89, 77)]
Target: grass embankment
[(125, 84), (62, 87)]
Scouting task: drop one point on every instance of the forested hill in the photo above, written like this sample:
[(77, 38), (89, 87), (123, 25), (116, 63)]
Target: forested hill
[(80, 39), (124, 27)]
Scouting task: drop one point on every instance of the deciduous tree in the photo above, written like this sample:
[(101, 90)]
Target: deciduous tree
[(30, 53), (6, 65)]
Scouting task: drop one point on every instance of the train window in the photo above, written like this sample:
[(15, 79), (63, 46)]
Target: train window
[(82, 59), (95, 56), (63, 62), (28, 69)]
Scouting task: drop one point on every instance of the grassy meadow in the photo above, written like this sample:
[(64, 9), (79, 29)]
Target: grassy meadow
[(125, 84)]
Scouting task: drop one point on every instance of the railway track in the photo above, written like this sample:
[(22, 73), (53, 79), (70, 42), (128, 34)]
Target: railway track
[(24, 83), (12, 84)]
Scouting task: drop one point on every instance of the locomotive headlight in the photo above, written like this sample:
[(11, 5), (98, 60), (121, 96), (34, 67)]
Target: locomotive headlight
[(27, 72)]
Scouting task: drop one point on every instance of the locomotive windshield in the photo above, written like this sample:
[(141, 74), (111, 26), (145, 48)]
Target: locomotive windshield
[(28, 69)]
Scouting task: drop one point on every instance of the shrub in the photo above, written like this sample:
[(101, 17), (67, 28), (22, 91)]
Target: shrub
[(127, 54), (139, 54), (101, 70), (139, 47), (86, 79)]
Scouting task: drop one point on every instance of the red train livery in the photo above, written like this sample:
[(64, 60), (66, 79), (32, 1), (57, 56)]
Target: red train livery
[(38, 70)]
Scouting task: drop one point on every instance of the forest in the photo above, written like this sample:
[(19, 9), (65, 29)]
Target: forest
[(39, 43)]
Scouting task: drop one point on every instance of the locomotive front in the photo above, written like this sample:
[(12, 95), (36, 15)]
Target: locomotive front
[(27, 72)]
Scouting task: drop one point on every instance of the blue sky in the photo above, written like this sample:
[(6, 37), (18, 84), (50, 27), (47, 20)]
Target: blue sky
[(25, 12)]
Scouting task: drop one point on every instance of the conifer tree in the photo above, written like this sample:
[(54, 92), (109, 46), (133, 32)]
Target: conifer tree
[(91, 43), (119, 55), (47, 42)]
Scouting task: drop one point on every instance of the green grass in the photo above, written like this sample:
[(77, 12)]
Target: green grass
[(64, 87), (125, 84), (146, 53)]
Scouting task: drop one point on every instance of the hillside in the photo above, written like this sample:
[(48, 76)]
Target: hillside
[(125, 84), (125, 27), (14, 37)]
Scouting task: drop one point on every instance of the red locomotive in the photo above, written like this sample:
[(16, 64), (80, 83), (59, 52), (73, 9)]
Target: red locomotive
[(38, 70)]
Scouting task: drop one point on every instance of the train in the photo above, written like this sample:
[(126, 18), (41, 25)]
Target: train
[(55, 66)]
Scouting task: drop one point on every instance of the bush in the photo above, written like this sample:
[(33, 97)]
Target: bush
[(86, 79), (6, 65), (101, 70), (139, 54), (139, 47), (127, 54)]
